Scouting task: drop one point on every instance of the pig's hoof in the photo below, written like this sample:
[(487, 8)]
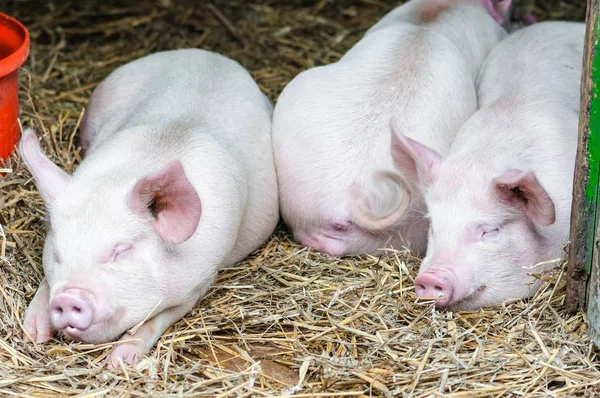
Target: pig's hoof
[(127, 353), (37, 325)]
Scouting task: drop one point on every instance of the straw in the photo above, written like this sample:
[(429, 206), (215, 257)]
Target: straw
[(286, 321)]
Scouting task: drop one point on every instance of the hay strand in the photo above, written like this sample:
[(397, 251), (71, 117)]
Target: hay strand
[(286, 321)]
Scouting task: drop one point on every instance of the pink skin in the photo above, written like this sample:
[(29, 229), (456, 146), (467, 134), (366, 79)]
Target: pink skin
[(440, 284), (178, 204), (529, 19), (482, 236), (71, 312), (344, 238), (500, 11), (54, 180), (435, 285), (446, 281), (75, 310), (367, 233), (325, 140), (327, 241), (344, 233), (37, 317), (522, 190), (87, 294)]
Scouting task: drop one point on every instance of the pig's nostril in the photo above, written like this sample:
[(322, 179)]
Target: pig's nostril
[(430, 286), (71, 312)]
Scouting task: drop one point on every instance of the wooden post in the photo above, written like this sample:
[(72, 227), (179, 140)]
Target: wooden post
[(583, 280)]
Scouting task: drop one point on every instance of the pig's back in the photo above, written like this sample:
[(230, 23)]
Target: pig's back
[(206, 110), (168, 85), (331, 123), (530, 93), (529, 90), (532, 81), (542, 60)]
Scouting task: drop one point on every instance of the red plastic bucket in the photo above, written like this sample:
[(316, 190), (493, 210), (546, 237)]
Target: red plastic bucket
[(14, 50)]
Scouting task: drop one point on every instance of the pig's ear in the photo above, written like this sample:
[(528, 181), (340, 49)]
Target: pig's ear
[(523, 190), (171, 200), (499, 10), (50, 179), (416, 161)]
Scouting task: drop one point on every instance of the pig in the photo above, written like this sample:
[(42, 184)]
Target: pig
[(427, 11), (499, 201), (178, 181), (331, 124)]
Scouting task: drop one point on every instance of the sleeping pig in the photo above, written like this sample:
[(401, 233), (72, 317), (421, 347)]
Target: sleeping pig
[(178, 180), (331, 124), (499, 202)]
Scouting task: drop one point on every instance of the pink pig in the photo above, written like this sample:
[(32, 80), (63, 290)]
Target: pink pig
[(499, 202), (331, 123), (178, 180)]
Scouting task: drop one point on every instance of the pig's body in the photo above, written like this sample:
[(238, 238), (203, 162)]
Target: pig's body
[(198, 123), (331, 123), (228, 123), (500, 200)]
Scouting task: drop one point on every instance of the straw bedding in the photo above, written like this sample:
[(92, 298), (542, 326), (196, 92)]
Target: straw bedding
[(286, 321)]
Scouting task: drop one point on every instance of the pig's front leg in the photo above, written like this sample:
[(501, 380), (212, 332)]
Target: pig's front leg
[(146, 336), (37, 316)]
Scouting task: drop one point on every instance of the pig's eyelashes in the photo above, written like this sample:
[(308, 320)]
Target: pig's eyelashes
[(341, 227), (119, 250), (479, 232), (486, 233)]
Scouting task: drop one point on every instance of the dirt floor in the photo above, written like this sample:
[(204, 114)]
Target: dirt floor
[(286, 321)]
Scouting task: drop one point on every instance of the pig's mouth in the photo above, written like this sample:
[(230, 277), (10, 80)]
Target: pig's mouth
[(468, 302), (77, 335), (104, 330), (73, 333)]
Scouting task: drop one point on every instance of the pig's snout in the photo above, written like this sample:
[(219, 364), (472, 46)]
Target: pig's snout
[(429, 285), (70, 312)]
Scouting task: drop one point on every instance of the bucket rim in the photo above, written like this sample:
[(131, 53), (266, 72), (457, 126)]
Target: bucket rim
[(13, 61)]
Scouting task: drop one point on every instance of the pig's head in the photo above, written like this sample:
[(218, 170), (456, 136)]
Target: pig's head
[(486, 227), (111, 251), (342, 233)]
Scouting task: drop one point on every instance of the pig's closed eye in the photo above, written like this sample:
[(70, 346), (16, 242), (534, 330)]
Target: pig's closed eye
[(120, 250), (56, 258), (487, 233), (341, 226)]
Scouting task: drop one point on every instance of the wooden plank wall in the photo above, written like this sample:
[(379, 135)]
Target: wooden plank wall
[(583, 280)]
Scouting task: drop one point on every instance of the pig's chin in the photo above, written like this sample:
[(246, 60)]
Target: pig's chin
[(473, 301), (104, 331), (74, 334), (95, 334), (492, 296)]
